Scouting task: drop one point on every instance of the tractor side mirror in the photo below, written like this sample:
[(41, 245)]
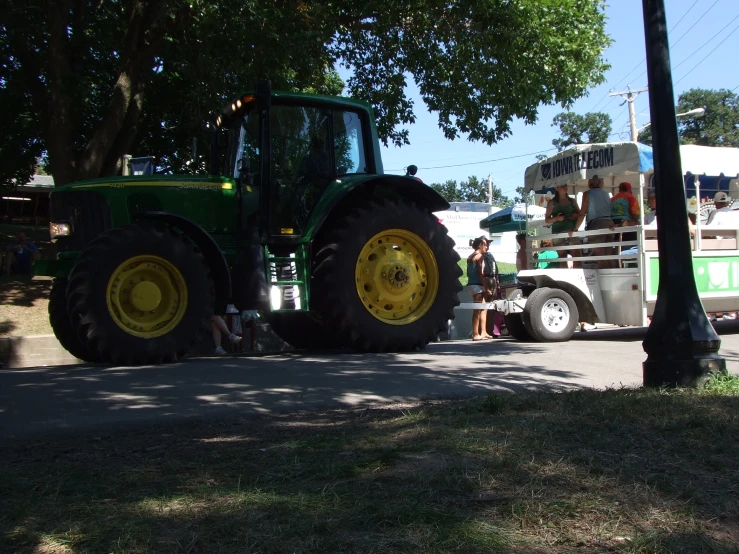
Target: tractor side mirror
[(412, 170)]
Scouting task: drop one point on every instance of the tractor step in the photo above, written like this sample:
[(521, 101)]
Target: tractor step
[(288, 276)]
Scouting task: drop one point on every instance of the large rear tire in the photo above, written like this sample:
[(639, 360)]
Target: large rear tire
[(143, 296), (62, 325), (386, 277), (550, 315), (302, 330)]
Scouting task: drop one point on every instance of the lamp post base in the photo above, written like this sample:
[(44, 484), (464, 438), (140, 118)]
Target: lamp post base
[(682, 373)]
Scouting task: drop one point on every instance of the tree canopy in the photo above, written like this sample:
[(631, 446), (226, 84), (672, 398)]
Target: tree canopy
[(581, 129), (87, 81), (471, 190), (719, 126)]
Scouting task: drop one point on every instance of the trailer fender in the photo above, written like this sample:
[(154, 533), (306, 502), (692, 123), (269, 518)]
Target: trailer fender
[(580, 284)]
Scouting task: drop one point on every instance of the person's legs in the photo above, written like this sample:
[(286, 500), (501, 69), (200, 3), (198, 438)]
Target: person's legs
[(252, 333), (215, 328), (476, 325), (219, 326), (9, 259), (484, 325)]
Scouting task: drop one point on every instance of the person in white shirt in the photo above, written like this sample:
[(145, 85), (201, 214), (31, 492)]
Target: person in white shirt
[(722, 216), (718, 216)]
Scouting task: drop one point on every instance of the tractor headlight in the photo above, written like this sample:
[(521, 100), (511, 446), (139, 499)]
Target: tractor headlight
[(275, 297), (59, 230)]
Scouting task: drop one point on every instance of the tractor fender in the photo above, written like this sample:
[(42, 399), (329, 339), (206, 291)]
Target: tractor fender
[(213, 255), (379, 186), (590, 309)]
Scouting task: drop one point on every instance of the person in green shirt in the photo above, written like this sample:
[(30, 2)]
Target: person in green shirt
[(546, 255), (562, 214)]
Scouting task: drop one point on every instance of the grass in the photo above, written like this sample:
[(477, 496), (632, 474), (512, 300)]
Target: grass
[(503, 268), (627, 471)]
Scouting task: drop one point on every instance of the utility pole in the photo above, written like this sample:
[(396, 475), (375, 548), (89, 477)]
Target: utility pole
[(681, 345), (630, 97)]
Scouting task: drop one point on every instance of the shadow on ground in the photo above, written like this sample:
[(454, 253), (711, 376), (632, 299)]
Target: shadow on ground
[(614, 471)]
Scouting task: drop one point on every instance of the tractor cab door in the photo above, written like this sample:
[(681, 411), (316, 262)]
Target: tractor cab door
[(302, 165), (311, 146)]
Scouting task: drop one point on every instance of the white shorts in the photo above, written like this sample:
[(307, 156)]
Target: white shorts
[(475, 289), (249, 315)]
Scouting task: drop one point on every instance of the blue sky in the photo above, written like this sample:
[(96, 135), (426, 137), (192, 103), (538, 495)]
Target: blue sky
[(692, 24)]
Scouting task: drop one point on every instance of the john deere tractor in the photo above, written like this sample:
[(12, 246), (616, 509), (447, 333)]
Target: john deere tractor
[(297, 219)]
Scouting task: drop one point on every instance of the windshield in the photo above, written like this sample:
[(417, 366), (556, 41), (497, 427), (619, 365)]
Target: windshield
[(349, 143)]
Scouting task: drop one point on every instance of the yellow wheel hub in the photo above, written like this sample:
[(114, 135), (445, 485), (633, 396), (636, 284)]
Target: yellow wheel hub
[(146, 296), (397, 277)]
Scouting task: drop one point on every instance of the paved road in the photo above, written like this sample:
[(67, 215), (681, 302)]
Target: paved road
[(40, 401)]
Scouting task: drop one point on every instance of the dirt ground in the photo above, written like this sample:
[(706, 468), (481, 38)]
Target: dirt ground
[(24, 300), (23, 306)]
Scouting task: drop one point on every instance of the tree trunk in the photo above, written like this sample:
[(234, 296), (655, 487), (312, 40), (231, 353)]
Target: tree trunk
[(115, 132)]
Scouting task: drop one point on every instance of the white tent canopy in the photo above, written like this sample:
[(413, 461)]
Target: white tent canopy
[(613, 161), (709, 160)]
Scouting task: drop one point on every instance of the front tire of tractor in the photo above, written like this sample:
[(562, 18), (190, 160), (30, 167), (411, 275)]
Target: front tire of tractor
[(142, 295), (550, 315), (61, 324), (302, 330), (386, 277)]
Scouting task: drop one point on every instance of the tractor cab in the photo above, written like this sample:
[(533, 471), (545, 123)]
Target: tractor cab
[(286, 152)]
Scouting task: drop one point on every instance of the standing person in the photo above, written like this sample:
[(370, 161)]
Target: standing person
[(475, 280), (491, 289), (596, 209), (522, 261), (625, 210), (563, 213)]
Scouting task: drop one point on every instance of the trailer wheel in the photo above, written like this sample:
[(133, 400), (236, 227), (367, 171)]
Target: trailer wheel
[(550, 315), (386, 277), (515, 326), (143, 296), (62, 325)]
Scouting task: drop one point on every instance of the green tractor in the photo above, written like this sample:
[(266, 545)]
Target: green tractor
[(296, 220)]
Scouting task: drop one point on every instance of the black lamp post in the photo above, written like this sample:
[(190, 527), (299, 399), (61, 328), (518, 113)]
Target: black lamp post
[(681, 345)]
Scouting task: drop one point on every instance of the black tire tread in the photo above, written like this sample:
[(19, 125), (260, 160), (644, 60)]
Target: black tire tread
[(101, 333), (62, 325), (349, 320), (515, 326)]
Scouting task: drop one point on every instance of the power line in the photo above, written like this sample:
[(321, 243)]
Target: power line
[(645, 59), (706, 56), (482, 162), (698, 49), (693, 25), (714, 37)]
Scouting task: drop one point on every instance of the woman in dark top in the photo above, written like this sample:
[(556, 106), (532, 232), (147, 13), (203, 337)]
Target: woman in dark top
[(475, 280)]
